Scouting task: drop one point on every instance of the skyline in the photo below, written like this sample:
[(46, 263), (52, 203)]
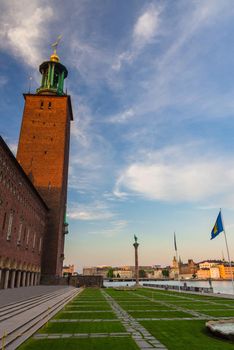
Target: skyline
[(151, 143)]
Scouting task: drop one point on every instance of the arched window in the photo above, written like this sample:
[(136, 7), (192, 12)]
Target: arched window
[(9, 228)]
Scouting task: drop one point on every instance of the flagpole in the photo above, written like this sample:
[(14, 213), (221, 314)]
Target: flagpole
[(178, 278), (230, 264)]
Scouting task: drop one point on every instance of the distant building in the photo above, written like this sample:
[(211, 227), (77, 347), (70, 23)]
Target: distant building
[(203, 273), (158, 273), (215, 272), (226, 272), (96, 271), (183, 270), (207, 264), (123, 273), (174, 270), (67, 270), (189, 268)]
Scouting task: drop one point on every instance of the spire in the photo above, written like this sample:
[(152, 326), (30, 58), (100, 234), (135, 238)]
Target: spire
[(54, 57), (53, 74)]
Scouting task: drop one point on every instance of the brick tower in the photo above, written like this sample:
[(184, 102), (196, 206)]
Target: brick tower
[(43, 152)]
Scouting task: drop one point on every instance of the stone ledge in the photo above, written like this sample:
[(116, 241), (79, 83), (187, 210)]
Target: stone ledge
[(222, 328)]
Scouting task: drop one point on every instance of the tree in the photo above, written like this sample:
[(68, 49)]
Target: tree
[(142, 273), (165, 273), (110, 273)]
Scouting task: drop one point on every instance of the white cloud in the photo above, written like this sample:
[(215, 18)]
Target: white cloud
[(89, 212), (145, 30), (13, 147), (122, 117), (22, 29), (91, 153), (184, 178), (146, 26), (3, 81), (115, 227)]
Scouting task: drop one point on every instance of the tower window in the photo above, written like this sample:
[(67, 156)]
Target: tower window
[(49, 105), (42, 105), (45, 152), (4, 221), (9, 226)]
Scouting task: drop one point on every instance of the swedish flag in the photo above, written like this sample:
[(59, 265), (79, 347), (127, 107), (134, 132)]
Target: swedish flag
[(218, 227)]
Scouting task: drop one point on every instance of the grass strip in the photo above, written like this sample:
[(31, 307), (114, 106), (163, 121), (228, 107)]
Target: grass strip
[(80, 327), (87, 308), (76, 315), (159, 314), (184, 335), (82, 344), (200, 306), (153, 307), (220, 313)]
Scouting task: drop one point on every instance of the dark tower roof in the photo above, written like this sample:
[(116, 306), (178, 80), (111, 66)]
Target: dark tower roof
[(53, 75)]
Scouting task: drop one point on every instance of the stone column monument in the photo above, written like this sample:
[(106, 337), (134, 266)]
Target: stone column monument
[(136, 245)]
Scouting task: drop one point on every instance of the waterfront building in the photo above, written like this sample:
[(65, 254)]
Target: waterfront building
[(214, 272), (203, 273), (68, 270), (123, 273), (207, 264), (158, 273), (226, 271), (96, 271)]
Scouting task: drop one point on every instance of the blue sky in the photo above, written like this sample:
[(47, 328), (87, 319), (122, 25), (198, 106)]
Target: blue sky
[(152, 87)]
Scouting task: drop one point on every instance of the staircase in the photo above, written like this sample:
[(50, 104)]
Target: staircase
[(19, 320)]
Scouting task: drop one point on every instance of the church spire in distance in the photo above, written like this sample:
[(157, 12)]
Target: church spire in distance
[(53, 74)]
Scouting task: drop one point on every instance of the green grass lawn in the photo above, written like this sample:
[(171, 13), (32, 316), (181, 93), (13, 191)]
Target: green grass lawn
[(83, 327), (153, 307), (220, 313), (87, 307), (125, 343), (184, 335), (175, 335), (84, 315), (201, 306), (159, 314)]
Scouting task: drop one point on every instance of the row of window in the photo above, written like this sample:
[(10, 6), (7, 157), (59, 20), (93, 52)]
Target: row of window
[(43, 104), (5, 179), (23, 234), (48, 123)]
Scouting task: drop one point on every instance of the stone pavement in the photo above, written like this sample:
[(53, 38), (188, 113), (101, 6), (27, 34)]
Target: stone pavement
[(142, 337), (8, 296)]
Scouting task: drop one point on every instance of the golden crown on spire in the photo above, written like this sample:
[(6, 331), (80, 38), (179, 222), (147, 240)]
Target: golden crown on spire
[(54, 57)]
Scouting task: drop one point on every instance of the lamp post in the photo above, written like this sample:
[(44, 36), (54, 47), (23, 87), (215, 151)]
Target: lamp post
[(136, 245)]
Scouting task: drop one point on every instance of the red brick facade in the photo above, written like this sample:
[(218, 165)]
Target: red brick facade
[(23, 219), (43, 153)]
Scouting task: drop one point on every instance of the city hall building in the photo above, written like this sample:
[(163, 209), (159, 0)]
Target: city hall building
[(33, 186)]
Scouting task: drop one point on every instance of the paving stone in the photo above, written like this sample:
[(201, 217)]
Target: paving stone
[(143, 344), (139, 333)]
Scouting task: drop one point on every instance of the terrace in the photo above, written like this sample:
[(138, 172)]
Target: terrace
[(136, 319)]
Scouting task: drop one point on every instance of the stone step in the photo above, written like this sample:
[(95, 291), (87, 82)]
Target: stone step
[(21, 327), (16, 308)]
